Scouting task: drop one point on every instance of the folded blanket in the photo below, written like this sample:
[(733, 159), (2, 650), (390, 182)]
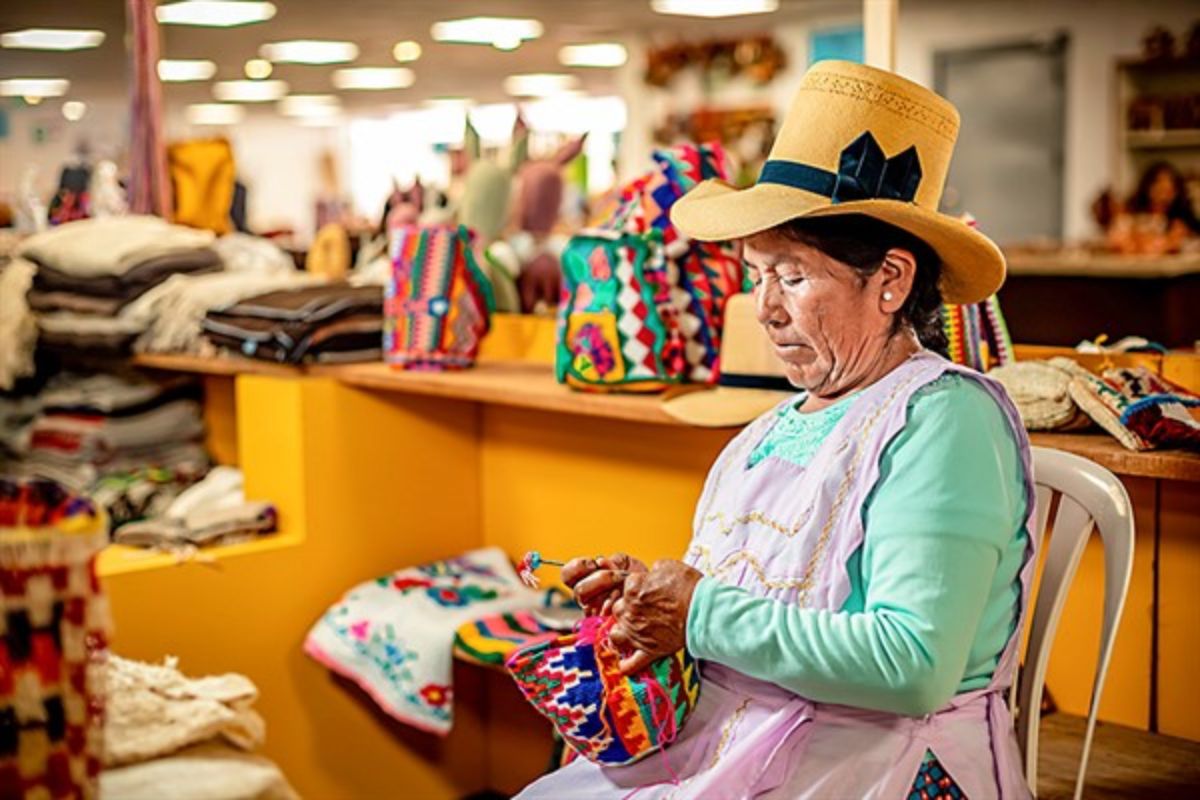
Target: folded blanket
[(112, 395), (172, 313), (201, 772), (295, 342), (91, 437), (51, 301), (394, 636), (242, 252), (153, 710), (109, 245), (136, 281), (202, 528), (18, 326)]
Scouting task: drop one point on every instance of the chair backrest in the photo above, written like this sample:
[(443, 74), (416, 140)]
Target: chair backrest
[(1089, 496)]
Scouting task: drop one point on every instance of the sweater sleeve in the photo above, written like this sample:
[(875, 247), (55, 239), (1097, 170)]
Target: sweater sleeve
[(948, 501)]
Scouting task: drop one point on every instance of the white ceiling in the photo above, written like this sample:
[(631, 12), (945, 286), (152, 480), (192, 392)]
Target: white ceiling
[(374, 25)]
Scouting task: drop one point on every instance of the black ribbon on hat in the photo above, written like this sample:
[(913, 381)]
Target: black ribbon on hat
[(863, 174)]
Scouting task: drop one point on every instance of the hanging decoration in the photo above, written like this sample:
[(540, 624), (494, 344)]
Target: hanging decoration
[(149, 184), (759, 58)]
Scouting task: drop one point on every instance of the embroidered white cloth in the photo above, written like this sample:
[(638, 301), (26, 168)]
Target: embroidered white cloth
[(394, 636), (18, 326)]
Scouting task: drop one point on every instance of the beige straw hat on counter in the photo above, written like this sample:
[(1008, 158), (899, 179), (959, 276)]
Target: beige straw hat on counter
[(856, 140), (752, 378)]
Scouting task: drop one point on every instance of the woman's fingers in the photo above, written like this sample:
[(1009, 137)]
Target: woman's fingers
[(577, 569), (592, 590), (636, 662)]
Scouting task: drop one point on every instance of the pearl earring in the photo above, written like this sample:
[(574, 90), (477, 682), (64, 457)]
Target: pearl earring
[(887, 295)]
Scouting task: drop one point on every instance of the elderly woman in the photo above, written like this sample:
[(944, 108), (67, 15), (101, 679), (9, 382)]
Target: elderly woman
[(858, 571)]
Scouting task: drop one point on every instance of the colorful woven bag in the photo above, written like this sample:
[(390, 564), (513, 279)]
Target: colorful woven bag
[(643, 306), (438, 305), (53, 641), (574, 681)]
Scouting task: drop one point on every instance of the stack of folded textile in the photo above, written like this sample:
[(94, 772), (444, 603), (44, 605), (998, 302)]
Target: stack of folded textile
[(89, 271), (101, 424), (213, 511), (167, 735), (326, 323)]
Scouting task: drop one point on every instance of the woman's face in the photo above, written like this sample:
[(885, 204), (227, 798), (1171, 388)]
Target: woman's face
[(1162, 190), (828, 327)]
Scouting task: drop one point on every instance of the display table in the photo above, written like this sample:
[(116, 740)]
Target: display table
[(373, 470), (1065, 297)]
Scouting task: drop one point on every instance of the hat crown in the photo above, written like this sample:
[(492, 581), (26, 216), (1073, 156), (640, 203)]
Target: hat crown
[(840, 102)]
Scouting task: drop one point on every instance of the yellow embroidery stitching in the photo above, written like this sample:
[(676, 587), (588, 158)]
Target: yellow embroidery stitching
[(733, 559)]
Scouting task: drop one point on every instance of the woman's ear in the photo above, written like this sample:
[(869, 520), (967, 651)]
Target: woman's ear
[(895, 279)]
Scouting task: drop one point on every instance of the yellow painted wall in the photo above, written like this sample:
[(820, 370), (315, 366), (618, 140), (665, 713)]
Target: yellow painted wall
[(372, 483), (1179, 611)]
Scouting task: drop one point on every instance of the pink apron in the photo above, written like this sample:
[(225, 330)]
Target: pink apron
[(783, 531)]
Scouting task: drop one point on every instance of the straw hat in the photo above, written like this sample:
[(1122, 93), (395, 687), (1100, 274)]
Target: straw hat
[(752, 377), (856, 140)]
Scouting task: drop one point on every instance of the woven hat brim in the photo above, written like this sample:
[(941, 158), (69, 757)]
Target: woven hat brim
[(722, 407), (973, 267)]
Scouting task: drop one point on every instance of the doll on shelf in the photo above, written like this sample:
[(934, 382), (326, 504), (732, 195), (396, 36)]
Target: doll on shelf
[(1158, 219)]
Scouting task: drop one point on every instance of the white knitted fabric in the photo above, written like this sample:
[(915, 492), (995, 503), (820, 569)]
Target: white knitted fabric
[(18, 326)]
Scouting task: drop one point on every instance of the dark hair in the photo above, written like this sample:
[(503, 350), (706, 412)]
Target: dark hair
[(1181, 206), (861, 242)]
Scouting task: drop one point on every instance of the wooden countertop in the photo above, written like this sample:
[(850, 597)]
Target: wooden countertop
[(1084, 263), (532, 386), (520, 385), (206, 365)]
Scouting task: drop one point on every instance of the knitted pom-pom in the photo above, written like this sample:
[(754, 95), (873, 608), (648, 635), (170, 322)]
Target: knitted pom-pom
[(529, 564)]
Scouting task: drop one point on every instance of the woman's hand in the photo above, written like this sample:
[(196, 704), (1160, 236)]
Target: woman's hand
[(652, 613), (597, 582)]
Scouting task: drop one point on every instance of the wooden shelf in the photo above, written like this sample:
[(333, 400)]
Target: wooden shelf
[(208, 365), (1109, 453), (118, 559), (519, 385), (1142, 140)]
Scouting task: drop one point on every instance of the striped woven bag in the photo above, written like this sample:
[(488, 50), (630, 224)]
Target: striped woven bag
[(575, 682)]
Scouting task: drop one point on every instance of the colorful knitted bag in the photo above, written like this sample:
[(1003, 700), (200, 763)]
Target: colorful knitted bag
[(438, 305), (574, 681), (643, 306), (52, 643), (977, 335)]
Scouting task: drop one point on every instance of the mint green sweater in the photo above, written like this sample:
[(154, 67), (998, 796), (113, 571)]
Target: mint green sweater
[(934, 586)]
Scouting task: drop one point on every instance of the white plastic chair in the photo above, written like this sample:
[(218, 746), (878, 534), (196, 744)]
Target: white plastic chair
[(1089, 494)]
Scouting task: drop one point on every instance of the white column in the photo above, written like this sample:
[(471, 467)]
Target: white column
[(879, 32)]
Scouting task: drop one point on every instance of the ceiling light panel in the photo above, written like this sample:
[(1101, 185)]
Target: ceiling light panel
[(505, 33), (215, 114), (214, 13), (309, 51), (714, 8), (539, 84), (367, 78), (310, 105), (180, 70), (249, 91), (405, 52), (34, 87), (51, 39), (598, 54)]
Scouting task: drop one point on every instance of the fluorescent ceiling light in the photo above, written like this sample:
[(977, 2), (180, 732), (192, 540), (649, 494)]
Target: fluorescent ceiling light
[(249, 91), (51, 39), (178, 70), (504, 33), (310, 105), (34, 87), (373, 78), (214, 13), (600, 54), (258, 69), (309, 51), (714, 8), (73, 110), (215, 114), (406, 51), (539, 84)]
